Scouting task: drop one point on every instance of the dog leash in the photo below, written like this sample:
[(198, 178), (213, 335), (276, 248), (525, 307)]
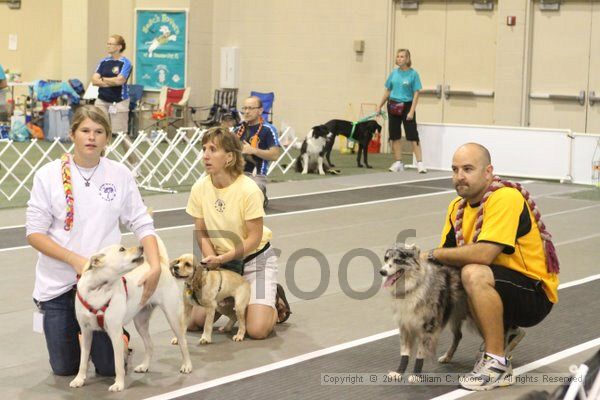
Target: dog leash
[(100, 317), (365, 119), (189, 289)]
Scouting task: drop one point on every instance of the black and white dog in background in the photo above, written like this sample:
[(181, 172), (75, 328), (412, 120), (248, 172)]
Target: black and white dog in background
[(315, 153), (312, 151)]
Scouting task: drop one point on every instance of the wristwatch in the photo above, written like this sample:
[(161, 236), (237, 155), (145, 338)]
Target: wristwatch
[(431, 257)]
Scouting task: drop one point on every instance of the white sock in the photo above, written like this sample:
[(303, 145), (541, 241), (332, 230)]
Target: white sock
[(501, 359)]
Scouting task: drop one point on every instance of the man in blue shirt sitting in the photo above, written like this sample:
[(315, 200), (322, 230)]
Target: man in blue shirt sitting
[(260, 142)]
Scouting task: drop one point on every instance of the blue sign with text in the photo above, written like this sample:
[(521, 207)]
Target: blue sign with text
[(160, 49)]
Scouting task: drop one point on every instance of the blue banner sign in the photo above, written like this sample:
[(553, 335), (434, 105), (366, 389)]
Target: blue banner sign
[(160, 49)]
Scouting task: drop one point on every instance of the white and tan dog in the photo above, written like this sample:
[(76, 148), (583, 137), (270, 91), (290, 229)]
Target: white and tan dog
[(209, 289), (103, 290)]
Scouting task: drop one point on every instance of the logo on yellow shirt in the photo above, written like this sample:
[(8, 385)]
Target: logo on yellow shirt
[(220, 205)]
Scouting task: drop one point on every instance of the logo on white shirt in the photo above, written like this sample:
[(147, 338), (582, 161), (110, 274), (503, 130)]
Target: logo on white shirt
[(108, 191)]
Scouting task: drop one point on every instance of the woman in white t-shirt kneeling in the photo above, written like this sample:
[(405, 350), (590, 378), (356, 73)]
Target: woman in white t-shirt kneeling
[(74, 211)]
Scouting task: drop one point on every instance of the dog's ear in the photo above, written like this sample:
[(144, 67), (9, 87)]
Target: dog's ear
[(95, 262), (416, 251)]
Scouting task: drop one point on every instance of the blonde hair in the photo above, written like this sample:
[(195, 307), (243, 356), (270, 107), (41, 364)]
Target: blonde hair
[(230, 143), (408, 59), (120, 41)]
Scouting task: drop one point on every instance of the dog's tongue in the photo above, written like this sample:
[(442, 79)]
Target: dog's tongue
[(391, 279)]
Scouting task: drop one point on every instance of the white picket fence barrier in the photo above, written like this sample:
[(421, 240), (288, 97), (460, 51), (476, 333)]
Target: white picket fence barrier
[(17, 176), (158, 162)]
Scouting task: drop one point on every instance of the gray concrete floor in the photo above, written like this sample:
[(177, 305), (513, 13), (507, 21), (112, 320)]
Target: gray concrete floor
[(317, 323)]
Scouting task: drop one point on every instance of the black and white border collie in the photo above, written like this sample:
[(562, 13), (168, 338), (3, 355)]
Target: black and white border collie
[(312, 151)]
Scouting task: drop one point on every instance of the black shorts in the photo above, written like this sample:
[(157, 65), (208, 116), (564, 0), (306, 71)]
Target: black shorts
[(525, 302), (410, 126)]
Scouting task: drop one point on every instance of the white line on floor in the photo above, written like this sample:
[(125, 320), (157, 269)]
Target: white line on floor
[(416, 196), (290, 213), (578, 239), (343, 206), (358, 342), (568, 211), (295, 195), (362, 187), (579, 281), (273, 366), (459, 393), (15, 248)]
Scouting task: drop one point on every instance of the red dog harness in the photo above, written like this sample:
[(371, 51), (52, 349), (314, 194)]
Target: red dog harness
[(100, 317)]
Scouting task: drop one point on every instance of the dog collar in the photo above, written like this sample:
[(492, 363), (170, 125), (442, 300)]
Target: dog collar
[(99, 313), (190, 292)]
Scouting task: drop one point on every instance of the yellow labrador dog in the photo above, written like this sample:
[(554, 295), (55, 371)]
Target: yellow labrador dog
[(108, 297), (208, 288)]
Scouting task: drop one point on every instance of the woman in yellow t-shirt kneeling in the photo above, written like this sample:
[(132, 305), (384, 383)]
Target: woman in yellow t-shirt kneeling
[(227, 207)]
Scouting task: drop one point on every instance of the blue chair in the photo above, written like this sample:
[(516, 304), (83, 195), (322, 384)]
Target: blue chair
[(267, 101), (135, 98)]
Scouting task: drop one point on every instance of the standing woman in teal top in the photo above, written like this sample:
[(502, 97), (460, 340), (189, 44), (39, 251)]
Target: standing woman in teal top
[(402, 94)]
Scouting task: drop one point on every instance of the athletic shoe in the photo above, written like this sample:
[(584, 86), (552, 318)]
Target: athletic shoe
[(512, 337), (488, 374), (420, 168), (397, 166)]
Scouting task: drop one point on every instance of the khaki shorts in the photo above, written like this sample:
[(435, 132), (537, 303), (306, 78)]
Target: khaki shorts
[(261, 273), (119, 121)]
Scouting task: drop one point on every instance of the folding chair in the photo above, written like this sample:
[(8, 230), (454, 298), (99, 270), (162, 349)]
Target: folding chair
[(135, 97), (172, 107), (287, 140), (267, 102), (225, 102)]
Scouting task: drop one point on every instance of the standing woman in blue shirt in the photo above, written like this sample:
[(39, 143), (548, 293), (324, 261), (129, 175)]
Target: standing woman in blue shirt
[(111, 77), (402, 94)]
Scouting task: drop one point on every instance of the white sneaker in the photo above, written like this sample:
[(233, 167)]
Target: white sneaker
[(487, 374), (397, 166), (420, 168)]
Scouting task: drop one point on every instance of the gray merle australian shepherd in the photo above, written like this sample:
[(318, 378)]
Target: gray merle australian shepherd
[(426, 296)]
